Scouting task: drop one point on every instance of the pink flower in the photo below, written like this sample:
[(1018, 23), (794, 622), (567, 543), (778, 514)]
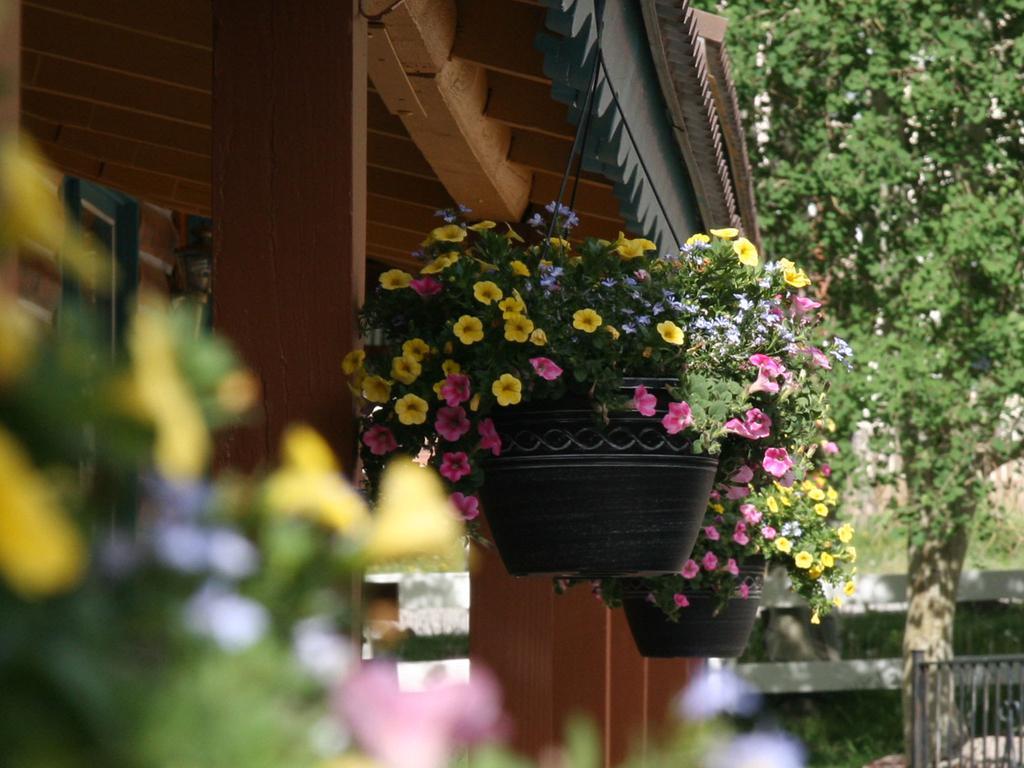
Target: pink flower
[(739, 534), (678, 418), (545, 368), (755, 425), (709, 561), (826, 470), (768, 369), (690, 570), (818, 357), (751, 513), (802, 304), (451, 423), (641, 275), (489, 437), (776, 462), (712, 533), (743, 475), (680, 599), (456, 389), (455, 466), (417, 729), (425, 286), (731, 567), (735, 492), (744, 590), (644, 401), (380, 440), (468, 506), (829, 448), (715, 495), (768, 532)]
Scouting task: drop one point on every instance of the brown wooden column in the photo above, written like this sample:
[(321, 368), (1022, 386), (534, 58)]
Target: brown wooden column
[(557, 656), (289, 190), (10, 69)]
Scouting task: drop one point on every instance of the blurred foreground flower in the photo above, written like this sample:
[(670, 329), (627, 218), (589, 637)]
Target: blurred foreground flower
[(420, 729), (41, 552), (758, 749), (162, 395), (232, 621), (715, 692), (413, 517), (309, 484)]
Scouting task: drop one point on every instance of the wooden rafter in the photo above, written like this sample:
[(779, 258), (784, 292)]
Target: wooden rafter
[(440, 101)]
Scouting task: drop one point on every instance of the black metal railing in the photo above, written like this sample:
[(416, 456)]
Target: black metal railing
[(968, 712)]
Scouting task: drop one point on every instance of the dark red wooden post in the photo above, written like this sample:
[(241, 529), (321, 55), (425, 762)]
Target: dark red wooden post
[(557, 656), (289, 137)]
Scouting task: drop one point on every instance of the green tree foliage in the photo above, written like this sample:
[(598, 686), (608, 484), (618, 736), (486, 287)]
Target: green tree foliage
[(887, 138)]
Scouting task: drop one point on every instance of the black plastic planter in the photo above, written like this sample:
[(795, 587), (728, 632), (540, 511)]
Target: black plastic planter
[(699, 633), (568, 497)]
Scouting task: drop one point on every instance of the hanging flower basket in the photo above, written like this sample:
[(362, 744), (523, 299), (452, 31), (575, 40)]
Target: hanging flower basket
[(706, 628), (568, 497)]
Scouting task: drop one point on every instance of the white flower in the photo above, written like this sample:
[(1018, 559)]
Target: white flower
[(233, 622)]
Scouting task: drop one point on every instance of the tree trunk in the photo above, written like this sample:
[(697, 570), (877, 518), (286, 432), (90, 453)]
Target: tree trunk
[(934, 573)]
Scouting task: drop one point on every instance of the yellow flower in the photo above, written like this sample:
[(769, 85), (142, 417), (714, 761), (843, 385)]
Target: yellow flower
[(512, 305), (450, 366), (558, 242), (353, 361), (851, 553), (815, 618), (845, 533), (538, 337), (633, 249), (728, 233), (586, 320), (613, 332), (671, 332), (508, 389), (832, 496), (511, 234), (485, 292), (773, 505), (405, 369), (415, 349), (413, 516), (449, 233), (815, 571), (816, 494), (394, 279), (481, 226), (469, 329), (18, 334), (437, 388), (820, 510), (41, 552), (716, 508), (474, 404), (837, 601), (376, 389), (440, 264), (182, 440), (309, 483), (746, 251), (850, 588), (806, 486), (796, 277), (411, 409), (519, 268), (698, 238), (518, 328), (827, 560), (803, 559), (784, 545)]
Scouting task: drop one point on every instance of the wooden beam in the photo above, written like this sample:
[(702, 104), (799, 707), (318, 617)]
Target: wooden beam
[(467, 151), (517, 24), (123, 123), (591, 199), (104, 86), (398, 239), (387, 151), (389, 183), (289, 88), (180, 21), (528, 105), (413, 216), (119, 49)]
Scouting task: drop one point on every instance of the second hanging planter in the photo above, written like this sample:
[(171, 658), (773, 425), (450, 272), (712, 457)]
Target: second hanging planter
[(567, 497)]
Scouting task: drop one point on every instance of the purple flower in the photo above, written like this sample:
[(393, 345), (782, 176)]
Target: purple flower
[(714, 692), (757, 749)]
